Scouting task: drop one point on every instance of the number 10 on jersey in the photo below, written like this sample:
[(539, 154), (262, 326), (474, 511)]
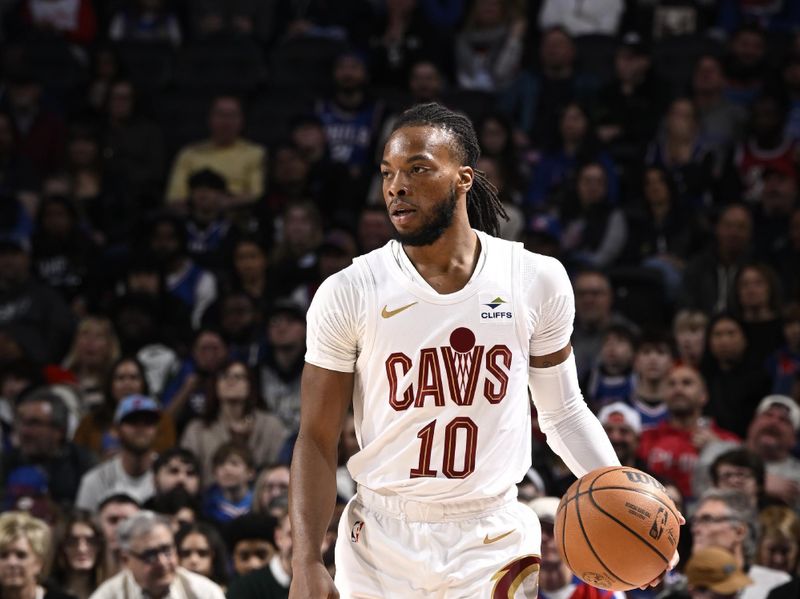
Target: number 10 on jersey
[(449, 467)]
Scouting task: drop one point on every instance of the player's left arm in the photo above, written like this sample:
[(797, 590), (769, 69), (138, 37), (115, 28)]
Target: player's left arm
[(572, 430)]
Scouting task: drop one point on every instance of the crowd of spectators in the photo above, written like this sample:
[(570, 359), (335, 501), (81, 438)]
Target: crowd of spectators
[(178, 177)]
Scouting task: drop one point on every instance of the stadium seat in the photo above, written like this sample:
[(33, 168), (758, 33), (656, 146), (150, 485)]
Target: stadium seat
[(148, 64), (303, 63), (220, 65), (270, 113), (52, 62), (639, 294), (674, 58), (183, 117), (475, 104), (595, 56)]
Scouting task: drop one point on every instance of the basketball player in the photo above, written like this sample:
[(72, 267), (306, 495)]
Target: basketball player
[(435, 338)]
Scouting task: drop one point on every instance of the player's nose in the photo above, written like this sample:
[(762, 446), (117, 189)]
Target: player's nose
[(397, 187)]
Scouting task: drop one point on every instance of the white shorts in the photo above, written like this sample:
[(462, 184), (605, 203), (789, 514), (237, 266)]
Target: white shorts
[(392, 548)]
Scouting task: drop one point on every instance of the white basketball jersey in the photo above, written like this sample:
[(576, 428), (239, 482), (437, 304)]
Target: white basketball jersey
[(441, 398)]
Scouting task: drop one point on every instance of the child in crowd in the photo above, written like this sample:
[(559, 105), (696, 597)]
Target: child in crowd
[(231, 495), (611, 379), (652, 362)]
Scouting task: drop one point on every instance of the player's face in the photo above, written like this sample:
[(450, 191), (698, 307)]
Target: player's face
[(420, 174)]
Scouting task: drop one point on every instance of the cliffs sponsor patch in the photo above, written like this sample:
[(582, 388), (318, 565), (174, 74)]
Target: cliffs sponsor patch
[(495, 308)]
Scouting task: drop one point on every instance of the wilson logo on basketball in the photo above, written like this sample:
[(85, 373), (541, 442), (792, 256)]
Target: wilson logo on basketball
[(452, 371), (642, 478)]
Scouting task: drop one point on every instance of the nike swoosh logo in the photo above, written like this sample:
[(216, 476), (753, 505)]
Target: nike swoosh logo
[(487, 540), (386, 313)]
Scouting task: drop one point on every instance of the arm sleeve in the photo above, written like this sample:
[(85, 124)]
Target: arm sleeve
[(335, 323), (572, 431)]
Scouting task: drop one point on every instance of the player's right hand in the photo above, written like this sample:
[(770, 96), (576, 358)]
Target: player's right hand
[(312, 581)]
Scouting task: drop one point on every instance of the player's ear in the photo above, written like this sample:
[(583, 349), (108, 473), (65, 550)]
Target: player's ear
[(466, 176)]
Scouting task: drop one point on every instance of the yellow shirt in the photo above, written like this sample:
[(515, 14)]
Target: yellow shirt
[(242, 164)]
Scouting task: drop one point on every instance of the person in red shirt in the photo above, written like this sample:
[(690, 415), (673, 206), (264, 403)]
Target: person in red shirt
[(670, 450)]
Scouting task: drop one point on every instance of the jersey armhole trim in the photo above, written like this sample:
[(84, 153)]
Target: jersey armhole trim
[(370, 315), (518, 293)]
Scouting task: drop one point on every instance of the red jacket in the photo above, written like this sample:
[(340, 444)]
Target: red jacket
[(669, 452)]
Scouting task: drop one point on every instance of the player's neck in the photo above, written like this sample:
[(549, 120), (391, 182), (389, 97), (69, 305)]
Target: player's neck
[(448, 263)]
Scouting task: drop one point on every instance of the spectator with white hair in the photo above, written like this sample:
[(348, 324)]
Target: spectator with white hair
[(726, 519), (151, 565)]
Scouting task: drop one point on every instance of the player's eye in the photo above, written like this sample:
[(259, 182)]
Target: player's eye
[(418, 169), (386, 174)]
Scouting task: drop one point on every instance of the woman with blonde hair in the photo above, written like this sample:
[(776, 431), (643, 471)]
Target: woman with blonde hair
[(779, 542), (24, 558), (94, 349)]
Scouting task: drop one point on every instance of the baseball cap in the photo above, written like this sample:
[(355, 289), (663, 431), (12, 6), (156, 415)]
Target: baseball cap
[(716, 569), (634, 42), (288, 307), (545, 508), (135, 404), (786, 402), (620, 413)]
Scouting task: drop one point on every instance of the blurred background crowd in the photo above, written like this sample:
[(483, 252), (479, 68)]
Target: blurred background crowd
[(178, 177)]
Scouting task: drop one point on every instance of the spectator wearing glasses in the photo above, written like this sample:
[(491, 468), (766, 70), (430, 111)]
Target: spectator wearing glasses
[(272, 483), (742, 470), (78, 561), (726, 519), (44, 458), (151, 564)]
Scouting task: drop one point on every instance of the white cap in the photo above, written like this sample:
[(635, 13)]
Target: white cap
[(618, 410), (785, 401), (545, 507)]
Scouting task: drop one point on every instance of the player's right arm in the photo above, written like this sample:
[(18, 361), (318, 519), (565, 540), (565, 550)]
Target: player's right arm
[(335, 326), (325, 397)]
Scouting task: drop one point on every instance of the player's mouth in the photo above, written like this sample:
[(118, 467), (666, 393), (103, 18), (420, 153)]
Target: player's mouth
[(401, 214)]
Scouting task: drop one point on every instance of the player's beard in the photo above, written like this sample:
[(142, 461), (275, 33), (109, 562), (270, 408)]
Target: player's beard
[(436, 224)]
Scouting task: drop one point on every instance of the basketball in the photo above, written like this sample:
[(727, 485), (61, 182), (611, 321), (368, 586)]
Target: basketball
[(616, 528)]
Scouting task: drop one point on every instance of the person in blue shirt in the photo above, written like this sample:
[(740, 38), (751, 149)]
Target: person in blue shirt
[(231, 495)]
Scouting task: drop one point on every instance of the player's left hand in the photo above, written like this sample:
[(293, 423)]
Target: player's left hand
[(672, 563)]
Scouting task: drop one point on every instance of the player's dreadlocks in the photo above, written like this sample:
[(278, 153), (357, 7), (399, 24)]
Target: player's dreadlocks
[(484, 208)]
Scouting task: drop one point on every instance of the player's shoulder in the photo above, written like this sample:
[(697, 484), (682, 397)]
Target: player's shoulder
[(349, 285), (544, 272)]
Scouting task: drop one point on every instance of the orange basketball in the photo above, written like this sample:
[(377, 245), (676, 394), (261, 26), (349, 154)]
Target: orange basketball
[(616, 528)]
